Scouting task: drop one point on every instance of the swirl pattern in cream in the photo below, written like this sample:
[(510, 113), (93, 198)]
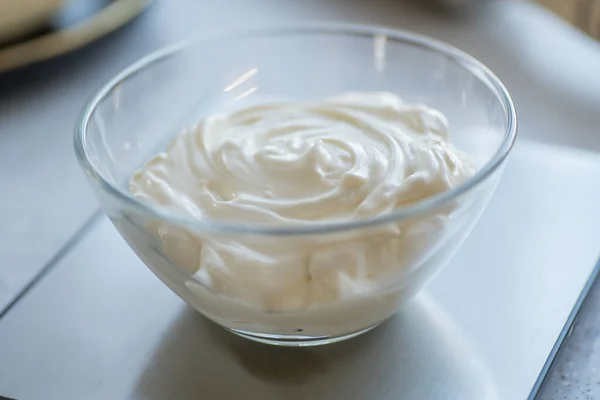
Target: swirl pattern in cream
[(352, 157)]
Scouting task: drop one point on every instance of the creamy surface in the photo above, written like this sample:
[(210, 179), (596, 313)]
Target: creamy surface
[(352, 157)]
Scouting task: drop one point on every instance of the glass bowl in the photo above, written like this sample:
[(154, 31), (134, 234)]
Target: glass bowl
[(138, 112)]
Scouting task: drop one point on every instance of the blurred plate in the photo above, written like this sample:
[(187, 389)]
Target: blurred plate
[(76, 24), (20, 16)]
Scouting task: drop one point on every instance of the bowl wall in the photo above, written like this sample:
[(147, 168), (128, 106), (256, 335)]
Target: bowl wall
[(138, 114)]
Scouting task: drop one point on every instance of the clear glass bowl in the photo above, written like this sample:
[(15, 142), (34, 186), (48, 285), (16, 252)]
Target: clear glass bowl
[(137, 113)]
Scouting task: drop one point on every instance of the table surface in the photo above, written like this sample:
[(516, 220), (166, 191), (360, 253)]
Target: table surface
[(531, 51)]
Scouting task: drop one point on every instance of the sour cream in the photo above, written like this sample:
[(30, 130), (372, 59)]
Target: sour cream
[(298, 164)]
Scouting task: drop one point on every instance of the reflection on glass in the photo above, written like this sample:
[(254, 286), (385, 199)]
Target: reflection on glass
[(379, 42), (241, 79)]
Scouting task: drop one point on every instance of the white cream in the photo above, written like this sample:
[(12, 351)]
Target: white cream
[(352, 157)]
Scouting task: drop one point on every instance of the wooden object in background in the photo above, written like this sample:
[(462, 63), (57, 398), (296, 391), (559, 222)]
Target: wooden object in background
[(583, 14)]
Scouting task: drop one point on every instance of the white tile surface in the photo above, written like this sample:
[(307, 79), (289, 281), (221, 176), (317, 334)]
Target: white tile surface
[(101, 326), (576, 372)]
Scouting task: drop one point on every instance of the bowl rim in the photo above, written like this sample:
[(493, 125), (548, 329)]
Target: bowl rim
[(346, 29)]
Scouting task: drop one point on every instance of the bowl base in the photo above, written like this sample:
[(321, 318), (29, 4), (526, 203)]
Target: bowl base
[(297, 340)]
